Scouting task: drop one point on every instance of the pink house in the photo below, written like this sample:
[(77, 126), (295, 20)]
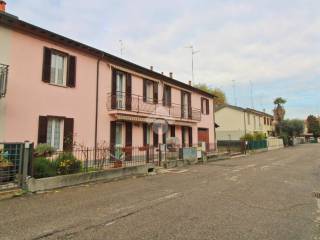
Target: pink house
[(58, 91)]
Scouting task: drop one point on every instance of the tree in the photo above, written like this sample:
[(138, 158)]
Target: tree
[(292, 128), (220, 95), (279, 112), (313, 125)]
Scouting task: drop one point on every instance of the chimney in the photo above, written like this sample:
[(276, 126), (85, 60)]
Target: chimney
[(162, 73), (2, 6), (151, 68), (171, 75), (190, 83)]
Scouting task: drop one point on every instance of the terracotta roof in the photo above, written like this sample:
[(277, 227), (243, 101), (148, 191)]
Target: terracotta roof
[(13, 22), (250, 110)]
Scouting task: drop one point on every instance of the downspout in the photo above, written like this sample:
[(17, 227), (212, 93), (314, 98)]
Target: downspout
[(97, 108)]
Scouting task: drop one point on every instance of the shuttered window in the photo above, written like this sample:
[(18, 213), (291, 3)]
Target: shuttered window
[(167, 96), (150, 91), (59, 68), (56, 131), (205, 106)]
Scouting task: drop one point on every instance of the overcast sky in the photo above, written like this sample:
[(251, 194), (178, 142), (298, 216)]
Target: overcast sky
[(275, 44)]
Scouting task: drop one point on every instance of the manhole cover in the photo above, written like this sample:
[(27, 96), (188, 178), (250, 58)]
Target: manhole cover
[(316, 195)]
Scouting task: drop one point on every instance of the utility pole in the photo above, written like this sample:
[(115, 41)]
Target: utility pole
[(234, 92), (193, 52)]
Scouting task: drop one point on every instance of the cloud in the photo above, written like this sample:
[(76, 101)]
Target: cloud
[(263, 41)]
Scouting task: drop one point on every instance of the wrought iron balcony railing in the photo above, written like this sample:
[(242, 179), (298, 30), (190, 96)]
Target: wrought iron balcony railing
[(139, 104)]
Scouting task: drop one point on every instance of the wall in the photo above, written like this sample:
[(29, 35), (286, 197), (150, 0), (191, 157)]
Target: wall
[(5, 48)]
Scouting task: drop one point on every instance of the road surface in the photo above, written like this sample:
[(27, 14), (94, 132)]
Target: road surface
[(263, 196)]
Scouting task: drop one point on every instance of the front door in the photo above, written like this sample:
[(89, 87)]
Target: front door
[(203, 136)]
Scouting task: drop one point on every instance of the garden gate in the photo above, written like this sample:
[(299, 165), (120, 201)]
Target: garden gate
[(12, 167)]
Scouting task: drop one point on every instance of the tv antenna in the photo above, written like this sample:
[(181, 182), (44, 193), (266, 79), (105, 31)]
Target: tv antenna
[(193, 52)]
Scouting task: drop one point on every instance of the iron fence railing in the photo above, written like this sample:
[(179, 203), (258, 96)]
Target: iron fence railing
[(90, 159), (139, 104)]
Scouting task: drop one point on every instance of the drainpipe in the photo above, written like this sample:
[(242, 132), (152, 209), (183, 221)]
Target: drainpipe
[(97, 108)]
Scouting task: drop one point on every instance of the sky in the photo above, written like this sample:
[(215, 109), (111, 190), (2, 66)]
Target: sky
[(253, 50)]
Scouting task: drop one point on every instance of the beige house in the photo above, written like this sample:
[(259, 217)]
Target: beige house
[(234, 122)]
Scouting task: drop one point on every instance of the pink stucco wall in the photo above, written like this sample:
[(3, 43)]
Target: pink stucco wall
[(28, 97)]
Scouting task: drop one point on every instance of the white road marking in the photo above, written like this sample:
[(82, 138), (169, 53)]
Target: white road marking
[(109, 223)]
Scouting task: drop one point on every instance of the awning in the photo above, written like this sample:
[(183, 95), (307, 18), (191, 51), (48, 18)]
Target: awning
[(151, 120)]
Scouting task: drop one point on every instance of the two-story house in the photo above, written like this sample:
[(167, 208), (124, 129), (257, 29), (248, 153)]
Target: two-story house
[(59, 91), (234, 122)]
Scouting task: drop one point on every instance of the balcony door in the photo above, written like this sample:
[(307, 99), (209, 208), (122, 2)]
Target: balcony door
[(185, 105), (121, 90)]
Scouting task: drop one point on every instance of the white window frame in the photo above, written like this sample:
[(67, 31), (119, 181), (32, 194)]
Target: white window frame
[(121, 79), (54, 70), (52, 133)]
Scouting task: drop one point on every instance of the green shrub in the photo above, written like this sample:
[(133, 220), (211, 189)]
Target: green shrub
[(259, 136), (285, 138), (67, 163), (44, 167), (44, 150), (247, 137)]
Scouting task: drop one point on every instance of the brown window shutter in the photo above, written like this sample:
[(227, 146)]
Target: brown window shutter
[(155, 139), (189, 106), (145, 126), (164, 136), (182, 105), (173, 130), (183, 141), (128, 134), (202, 106), (128, 92), (190, 136), (207, 106), (68, 134), (112, 133), (128, 155), (169, 103), (144, 90), (46, 67), (72, 63), (155, 92), (42, 129), (114, 89)]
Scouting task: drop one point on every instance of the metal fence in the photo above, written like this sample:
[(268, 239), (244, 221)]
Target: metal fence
[(90, 159), (231, 146), (257, 144), (11, 156)]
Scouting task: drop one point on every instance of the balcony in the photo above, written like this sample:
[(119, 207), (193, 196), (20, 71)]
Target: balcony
[(137, 104)]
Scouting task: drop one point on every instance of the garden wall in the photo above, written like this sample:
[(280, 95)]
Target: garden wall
[(44, 184)]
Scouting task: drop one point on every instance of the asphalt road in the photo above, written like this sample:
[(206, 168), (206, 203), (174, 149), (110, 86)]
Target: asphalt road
[(263, 196)]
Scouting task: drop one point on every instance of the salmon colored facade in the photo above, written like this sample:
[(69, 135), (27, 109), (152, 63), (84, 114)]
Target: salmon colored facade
[(52, 91)]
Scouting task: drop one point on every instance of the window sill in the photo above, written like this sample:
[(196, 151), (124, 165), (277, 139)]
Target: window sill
[(57, 85)]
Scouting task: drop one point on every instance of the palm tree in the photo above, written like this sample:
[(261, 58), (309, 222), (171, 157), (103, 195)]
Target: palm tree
[(279, 112)]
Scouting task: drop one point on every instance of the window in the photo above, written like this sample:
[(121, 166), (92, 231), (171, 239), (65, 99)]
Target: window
[(167, 96), (58, 73), (248, 115), (185, 104), (205, 106), (254, 122), (3, 79), (150, 91), (120, 89), (55, 133), (59, 68)]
